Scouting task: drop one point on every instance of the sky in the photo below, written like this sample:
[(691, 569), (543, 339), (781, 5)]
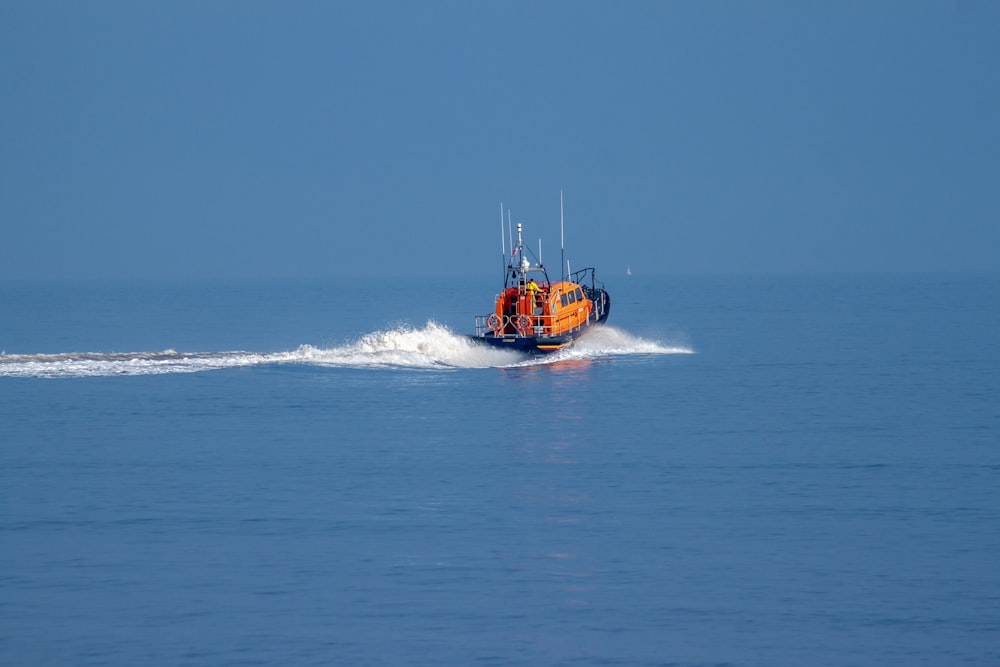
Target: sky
[(247, 139)]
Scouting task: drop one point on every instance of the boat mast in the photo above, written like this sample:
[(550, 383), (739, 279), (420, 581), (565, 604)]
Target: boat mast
[(520, 260), (503, 247), (510, 235), (562, 238)]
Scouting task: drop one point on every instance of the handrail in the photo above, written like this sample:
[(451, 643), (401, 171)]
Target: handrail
[(580, 276)]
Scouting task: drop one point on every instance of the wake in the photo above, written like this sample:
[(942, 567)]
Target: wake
[(430, 347)]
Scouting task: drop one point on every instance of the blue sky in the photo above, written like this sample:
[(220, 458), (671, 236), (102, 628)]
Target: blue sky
[(312, 139)]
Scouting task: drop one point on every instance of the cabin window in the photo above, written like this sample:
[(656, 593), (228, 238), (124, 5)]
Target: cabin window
[(572, 297), (564, 299), (579, 294)]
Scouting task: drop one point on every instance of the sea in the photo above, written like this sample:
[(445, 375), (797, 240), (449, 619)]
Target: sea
[(736, 470)]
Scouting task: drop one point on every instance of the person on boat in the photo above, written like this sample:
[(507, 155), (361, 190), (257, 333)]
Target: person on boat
[(533, 291)]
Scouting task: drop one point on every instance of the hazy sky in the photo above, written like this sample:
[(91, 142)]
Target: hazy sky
[(282, 139)]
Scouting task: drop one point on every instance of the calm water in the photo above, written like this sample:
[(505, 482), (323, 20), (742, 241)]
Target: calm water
[(741, 471)]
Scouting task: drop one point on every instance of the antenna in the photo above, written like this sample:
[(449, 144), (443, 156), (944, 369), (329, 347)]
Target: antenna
[(510, 233), (562, 238), (539, 252), (503, 248)]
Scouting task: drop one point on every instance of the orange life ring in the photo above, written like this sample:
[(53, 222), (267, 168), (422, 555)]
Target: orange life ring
[(495, 323), (523, 324)]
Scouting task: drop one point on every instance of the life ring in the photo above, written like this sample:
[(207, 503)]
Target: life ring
[(495, 323), (523, 324)]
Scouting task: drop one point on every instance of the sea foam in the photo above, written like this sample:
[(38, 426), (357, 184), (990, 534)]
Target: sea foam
[(432, 346)]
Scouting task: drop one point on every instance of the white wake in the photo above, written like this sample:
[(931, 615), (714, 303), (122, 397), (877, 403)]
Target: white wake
[(430, 347)]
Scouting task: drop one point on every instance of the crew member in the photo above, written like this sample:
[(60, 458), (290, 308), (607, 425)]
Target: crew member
[(533, 291)]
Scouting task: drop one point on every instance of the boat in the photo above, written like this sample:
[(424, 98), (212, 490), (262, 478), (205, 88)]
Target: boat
[(535, 314)]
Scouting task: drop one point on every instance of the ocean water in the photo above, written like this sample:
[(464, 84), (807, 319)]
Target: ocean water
[(784, 470)]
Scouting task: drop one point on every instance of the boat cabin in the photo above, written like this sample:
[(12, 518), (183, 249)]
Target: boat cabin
[(540, 309)]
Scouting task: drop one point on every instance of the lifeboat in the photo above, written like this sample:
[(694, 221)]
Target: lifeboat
[(538, 315)]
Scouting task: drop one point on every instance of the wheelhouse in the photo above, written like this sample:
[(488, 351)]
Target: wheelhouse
[(543, 307)]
